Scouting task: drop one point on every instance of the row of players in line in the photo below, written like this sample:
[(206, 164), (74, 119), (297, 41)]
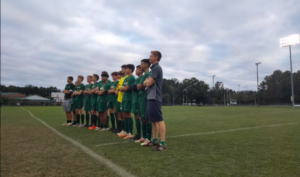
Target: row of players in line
[(117, 100)]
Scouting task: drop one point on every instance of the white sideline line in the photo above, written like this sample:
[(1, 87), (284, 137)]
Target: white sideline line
[(208, 133), (117, 169), (106, 144), (231, 130)]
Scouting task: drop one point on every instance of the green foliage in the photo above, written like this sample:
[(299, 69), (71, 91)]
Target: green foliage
[(30, 90)]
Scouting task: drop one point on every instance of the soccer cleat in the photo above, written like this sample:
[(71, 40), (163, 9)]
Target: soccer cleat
[(97, 128), (135, 138), (145, 142), (92, 127), (128, 136), (69, 124), (80, 125), (160, 148), (75, 125), (141, 140), (65, 124), (107, 129), (122, 132), (103, 129), (150, 143)]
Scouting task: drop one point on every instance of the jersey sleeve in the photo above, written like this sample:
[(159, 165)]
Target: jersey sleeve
[(72, 88), (131, 81)]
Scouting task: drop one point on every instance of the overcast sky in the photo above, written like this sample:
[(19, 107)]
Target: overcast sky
[(43, 42)]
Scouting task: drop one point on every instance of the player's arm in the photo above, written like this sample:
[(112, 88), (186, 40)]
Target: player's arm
[(149, 82), (140, 87), (111, 91), (67, 91)]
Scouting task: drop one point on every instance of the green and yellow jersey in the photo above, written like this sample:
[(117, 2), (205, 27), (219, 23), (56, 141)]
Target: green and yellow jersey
[(120, 95)]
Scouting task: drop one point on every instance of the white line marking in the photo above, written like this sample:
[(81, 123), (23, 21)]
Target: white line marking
[(208, 133), (106, 144), (230, 130), (119, 170)]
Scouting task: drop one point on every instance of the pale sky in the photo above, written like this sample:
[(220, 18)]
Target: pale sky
[(43, 42)]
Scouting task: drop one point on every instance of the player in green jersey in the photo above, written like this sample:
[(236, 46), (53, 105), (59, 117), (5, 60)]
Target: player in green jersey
[(94, 96), (79, 101), (69, 88), (103, 87), (135, 103), (111, 100), (87, 100), (146, 126), (127, 101)]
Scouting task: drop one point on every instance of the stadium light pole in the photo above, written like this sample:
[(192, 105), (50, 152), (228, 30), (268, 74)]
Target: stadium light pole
[(288, 42), (213, 78), (257, 83)]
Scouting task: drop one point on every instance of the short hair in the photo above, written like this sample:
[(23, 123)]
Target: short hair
[(96, 76), (81, 77), (138, 66), (120, 73), (114, 73), (124, 66), (157, 54), (89, 76), (130, 66), (71, 78), (104, 74), (147, 61)]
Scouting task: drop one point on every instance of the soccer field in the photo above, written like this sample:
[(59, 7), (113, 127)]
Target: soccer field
[(201, 141)]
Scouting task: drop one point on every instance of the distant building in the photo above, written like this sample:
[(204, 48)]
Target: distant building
[(233, 101), (35, 100), (12, 95), (57, 96)]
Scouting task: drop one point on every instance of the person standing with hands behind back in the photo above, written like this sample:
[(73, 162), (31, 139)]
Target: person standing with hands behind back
[(154, 102)]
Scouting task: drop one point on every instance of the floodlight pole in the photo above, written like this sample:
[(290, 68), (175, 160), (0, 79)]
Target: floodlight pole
[(257, 84), (289, 41), (292, 82)]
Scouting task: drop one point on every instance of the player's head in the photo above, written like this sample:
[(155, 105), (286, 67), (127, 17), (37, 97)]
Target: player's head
[(124, 69), (129, 68), (95, 78), (70, 79), (89, 78), (145, 63), (104, 76), (120, 74), (138, 70), (155, 57), (80, 78), (114, 76), (76, 83)]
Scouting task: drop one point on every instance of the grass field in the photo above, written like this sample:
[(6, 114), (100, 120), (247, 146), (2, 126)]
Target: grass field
[(201, 141)]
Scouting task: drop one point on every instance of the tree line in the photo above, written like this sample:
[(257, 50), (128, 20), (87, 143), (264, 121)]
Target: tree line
[(274, 89), (30, 90)]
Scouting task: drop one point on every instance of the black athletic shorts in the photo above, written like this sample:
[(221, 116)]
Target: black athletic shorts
[(154, 113)]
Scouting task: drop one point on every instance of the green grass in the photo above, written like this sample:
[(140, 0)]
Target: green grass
[(27, 147)]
